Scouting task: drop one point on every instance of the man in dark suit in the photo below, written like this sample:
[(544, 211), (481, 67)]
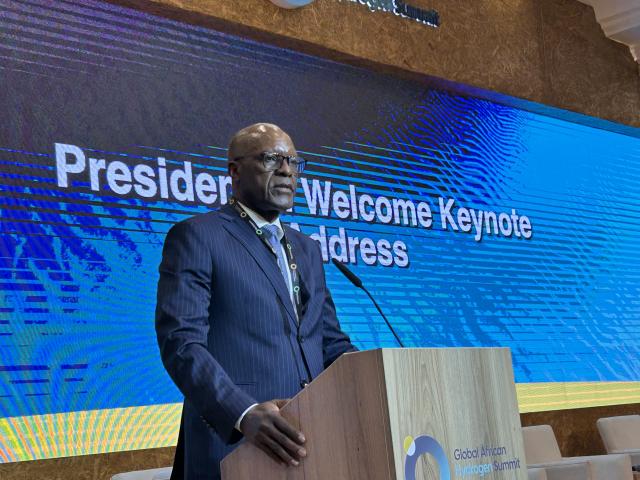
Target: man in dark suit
[(244, 316)]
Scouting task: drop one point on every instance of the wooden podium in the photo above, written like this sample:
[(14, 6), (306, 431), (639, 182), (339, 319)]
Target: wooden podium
[(402, 414)]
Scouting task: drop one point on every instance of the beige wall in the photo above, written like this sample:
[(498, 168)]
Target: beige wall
[(548, 51)]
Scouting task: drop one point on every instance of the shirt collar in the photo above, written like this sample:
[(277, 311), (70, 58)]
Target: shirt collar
[(261, 222)]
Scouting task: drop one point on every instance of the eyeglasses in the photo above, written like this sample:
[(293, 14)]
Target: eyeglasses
[(273, 161)]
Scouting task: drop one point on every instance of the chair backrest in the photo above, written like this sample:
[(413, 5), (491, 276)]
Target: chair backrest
[(537, 474), (153, 474), (620, 433), (571, 470), (540, 445)]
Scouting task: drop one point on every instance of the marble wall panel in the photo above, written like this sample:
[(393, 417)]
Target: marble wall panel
[(583, 71)]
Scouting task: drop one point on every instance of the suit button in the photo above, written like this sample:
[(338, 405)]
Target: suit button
[(300, 338), (303, 383)]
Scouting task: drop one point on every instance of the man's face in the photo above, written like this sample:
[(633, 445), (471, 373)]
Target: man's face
[(267, 192)]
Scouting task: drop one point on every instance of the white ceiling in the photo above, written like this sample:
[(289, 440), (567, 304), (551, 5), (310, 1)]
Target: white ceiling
[(620, 20)]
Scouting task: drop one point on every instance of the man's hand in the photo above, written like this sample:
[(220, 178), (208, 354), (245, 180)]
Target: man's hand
[(268, 430)]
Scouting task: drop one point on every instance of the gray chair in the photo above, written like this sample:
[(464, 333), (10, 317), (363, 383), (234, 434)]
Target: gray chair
[(542, 451), (537, 474), (153, 474), (569, 471), (621, 435)]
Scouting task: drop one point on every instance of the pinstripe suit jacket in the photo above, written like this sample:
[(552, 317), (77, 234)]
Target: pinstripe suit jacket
[(227, 330)]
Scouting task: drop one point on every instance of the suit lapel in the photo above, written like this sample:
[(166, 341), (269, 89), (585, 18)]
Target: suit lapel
[(245, 235)]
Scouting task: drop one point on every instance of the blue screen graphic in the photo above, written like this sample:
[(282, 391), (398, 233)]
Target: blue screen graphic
[(81, 240)]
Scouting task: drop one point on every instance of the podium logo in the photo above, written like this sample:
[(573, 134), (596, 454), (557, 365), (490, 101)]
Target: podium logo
[(424, 445)]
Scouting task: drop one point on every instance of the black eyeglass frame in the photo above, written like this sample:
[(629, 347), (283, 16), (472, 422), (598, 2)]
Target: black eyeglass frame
[(297, 163)]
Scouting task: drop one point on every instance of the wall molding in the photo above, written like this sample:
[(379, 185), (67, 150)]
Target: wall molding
[(620, 21)]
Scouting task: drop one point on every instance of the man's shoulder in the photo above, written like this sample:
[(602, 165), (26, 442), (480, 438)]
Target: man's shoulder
[(296, 235), (308, 244), (202, 221), (204, 218)]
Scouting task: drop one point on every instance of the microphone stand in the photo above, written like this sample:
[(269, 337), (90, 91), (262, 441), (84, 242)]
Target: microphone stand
[(384, 317), (353, 278)]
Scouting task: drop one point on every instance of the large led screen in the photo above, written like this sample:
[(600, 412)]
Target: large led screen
[(473, 222)]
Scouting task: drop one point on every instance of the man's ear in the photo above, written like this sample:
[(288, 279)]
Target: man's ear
[(233, 168)]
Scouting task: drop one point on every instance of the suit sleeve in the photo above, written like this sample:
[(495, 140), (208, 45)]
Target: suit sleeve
[(182, 326), (334, 341)]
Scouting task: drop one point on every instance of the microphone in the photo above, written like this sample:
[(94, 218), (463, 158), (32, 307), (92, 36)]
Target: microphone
[(353, 278)]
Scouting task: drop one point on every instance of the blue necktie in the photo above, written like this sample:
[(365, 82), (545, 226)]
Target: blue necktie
[(271, 233)]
